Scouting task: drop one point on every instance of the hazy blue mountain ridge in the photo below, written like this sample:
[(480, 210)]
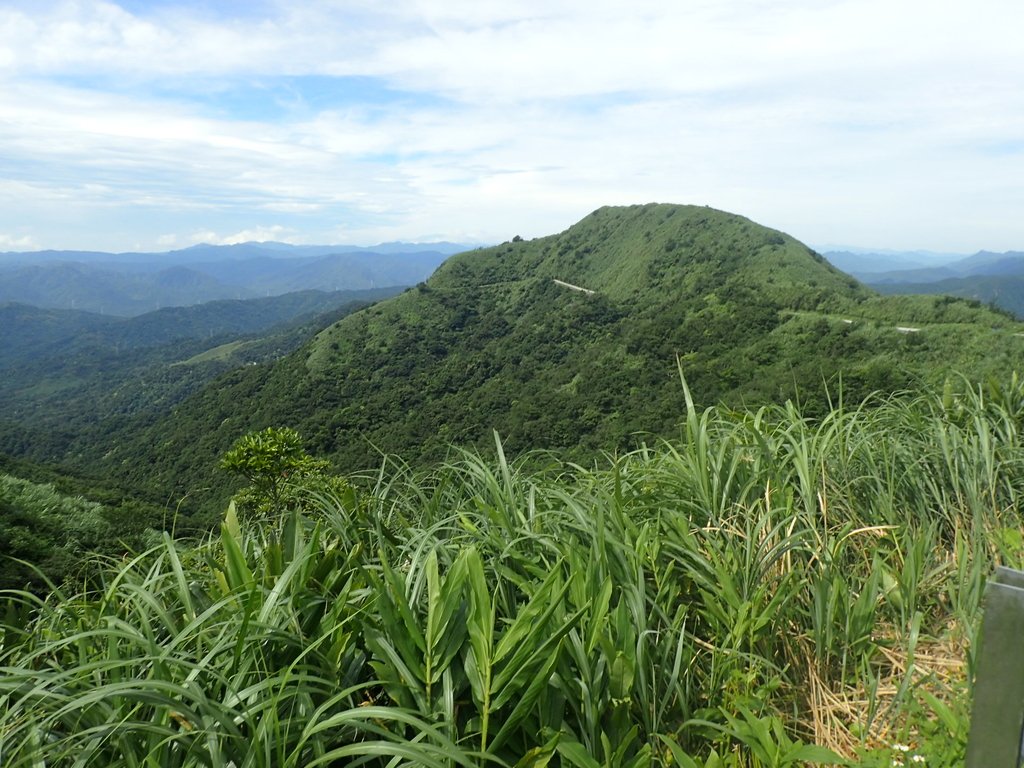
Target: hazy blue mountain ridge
[(1003, 291), (856, 261), (991, 278), (872, 268), (204, 252), (132, 284)]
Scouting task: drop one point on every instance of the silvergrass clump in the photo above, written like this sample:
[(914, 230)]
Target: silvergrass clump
[(767, 590)]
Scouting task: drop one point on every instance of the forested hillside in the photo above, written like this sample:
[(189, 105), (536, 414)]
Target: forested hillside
[(52, 535), (571, 342), (68, 377)]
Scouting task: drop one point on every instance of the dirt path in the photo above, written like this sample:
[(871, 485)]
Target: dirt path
[(572, 287)]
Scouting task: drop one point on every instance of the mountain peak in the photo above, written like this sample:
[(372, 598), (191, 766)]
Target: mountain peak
[(627, 252)]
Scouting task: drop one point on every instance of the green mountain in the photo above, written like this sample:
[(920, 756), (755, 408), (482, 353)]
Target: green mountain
[(571, 342)]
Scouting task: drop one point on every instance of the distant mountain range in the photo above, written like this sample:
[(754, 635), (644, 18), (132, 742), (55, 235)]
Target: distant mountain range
[(204, 252), (995, 278), (858, 261), (129, 284)]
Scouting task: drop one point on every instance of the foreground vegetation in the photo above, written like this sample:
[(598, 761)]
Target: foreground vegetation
[(49, 535), (765, 590)]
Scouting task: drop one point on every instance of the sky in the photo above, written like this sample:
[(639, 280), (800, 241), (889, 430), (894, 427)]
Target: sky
[(157, 124)]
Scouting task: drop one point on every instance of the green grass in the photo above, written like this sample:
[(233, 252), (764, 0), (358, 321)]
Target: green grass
[(223, 353), (759, 589)]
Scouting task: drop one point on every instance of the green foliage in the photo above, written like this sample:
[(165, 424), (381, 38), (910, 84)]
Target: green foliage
[(765, 743), (48, 537), (710, 602), (270, 460)]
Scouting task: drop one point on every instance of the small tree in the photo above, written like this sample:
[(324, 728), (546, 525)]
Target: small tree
[(270, 460)]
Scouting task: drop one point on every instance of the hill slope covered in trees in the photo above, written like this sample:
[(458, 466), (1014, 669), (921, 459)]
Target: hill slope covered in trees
[(571, 342), (67, 376)]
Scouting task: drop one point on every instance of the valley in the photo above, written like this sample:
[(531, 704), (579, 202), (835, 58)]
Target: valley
[(77, 372)]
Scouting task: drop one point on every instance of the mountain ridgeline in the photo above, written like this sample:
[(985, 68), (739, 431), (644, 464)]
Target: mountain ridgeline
[(136, 283), (574, 343)]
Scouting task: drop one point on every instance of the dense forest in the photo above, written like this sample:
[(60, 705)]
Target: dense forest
[(68, 376)]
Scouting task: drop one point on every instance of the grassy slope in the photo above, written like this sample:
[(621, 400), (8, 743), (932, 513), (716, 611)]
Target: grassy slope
[(491, 341)]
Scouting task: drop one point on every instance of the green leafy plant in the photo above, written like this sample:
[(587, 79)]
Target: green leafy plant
[(272, 461)]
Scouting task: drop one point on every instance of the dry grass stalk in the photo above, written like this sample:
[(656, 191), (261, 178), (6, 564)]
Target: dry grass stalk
[(834, 711)]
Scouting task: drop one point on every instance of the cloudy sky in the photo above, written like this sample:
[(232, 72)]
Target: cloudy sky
[(156, 124)]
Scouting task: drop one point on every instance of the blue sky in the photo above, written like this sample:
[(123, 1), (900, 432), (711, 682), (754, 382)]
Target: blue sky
[(148, 125)]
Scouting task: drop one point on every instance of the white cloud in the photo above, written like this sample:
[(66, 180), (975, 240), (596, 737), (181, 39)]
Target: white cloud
[(24, 242), (259, 234), (836, 119), (514, 52), (274, 232), (204, 236), (293, 207)]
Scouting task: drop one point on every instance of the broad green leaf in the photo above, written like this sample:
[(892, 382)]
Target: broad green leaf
[(235, 568), (576, 754)]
